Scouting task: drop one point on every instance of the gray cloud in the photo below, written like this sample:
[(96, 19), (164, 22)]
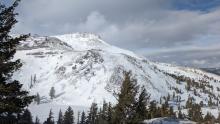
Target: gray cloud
[(146, 22), (143, 24), (195, 58)]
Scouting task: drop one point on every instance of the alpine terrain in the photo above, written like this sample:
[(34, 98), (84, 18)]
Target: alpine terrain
[(81, 68)]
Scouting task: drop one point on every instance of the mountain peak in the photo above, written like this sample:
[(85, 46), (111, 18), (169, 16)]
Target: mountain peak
[(82, 41), (85, 35), (84, 65)]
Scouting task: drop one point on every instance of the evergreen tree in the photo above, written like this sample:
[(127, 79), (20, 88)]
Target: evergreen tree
[(93, 114), (68, 116), (99, 117), (152, 110), (180, 114), (35, 79), (83, 118), (158, 112), (37, 121), (109, 114), (195, 113), (31, 83), (141, 110), (52, 93), (189, 102), (165, 109), (26, 117), (171, 112), (50, 119), (37, 99), (209, 119), (78, 116), (188, 86), (60, 118), (218, 118), (210, 103), (125, 108), (13, 99), (201, 103), (103, 114)]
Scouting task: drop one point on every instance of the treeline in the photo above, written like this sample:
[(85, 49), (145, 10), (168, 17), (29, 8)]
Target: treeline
[(132, 108), (195, 113), (201, 85)]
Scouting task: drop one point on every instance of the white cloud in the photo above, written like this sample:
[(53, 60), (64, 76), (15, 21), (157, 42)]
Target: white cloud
[(143, 26), (95, 22), (136, 24), (199, 62)]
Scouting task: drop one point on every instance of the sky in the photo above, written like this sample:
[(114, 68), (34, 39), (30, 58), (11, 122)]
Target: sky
[(182, 32)]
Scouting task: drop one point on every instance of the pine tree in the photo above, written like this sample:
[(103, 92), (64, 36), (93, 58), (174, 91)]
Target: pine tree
[(218, 118), (188, 86), (180, 114), (152, 110), (50, 119), (26, 117), (31, 83), (93, 114), (125, 108), (141, 110), (100, 119), (174, 95), (37, 99), (210, 103), (52, 93), (103, 114), (195, 113), (60, 118), (78, 116), (209, 119), (10, 90), (109, 113), (68, 116), (158, 112), (37, 121), (189, 102), (171, 112), (83, 118), (165, 108), (201, 103), (35, 79)]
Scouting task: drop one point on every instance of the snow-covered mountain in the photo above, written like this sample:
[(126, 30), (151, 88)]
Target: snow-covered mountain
[(83, 68)]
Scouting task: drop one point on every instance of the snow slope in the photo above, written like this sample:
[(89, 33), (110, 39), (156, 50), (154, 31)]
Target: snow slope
[(83, 69), (167, 121)]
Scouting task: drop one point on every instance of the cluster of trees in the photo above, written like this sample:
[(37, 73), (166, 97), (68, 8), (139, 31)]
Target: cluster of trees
[(52, 95), (195, 113), (67, 118), (193, 85), (132, 107)]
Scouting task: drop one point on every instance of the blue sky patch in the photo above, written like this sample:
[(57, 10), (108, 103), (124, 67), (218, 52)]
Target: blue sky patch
[(201, 5)]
